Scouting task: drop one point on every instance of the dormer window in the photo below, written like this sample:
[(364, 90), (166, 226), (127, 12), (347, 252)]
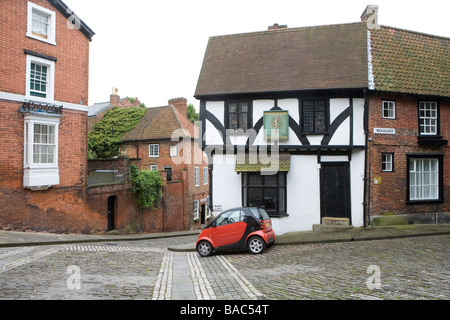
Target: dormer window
[(41, 23)]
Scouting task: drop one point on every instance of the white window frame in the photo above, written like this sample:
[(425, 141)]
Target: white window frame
[(205, 176), (40, 176), (50, 93), (197, 176), (153, 150), (173, 151), (51, 36), (429, 121), (153, 167), (196, 209), (388, 105), (423, 185), (388, 160)]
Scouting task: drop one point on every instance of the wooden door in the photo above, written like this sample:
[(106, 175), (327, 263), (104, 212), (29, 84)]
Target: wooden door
[(335, 190)]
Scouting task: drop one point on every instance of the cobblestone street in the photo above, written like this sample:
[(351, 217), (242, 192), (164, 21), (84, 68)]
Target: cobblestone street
[(410, 268)]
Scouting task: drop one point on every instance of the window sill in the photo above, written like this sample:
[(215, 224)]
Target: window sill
[(424, 201), (431, 141), (35, 37), (315, 133), (276, 215), (237, 132), (40, 178)]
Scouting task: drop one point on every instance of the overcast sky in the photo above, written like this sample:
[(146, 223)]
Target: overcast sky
[(154, 50)]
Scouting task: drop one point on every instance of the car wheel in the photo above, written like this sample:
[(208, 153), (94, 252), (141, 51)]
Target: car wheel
[(204, 248), (256, 245)]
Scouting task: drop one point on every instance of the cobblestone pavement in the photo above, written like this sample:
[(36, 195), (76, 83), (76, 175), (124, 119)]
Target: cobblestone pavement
[(410, 268)]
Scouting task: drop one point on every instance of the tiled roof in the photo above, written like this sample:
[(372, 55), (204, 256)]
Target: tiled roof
[(326, 57), (98, 107), (410, 62), (158, 124), (291, 59)]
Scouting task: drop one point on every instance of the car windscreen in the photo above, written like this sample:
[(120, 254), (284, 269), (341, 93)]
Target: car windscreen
[(259, 213)]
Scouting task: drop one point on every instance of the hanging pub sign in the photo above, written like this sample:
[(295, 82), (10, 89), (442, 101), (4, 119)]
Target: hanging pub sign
[(276, 125)]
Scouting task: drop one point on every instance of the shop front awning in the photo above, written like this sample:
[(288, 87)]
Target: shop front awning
[(262, 163)]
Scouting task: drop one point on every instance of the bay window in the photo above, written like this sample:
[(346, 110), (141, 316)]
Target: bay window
[(41, 169)]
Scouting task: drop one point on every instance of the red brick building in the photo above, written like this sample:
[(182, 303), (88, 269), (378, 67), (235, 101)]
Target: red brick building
[(408, 124), (44, 74), (165, 140)]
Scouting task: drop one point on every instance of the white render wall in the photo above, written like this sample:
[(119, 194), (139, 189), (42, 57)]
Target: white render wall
[(227, 188), (303, 190), (303, 180), (337, 106)]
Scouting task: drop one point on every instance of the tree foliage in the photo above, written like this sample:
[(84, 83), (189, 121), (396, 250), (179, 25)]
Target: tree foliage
[(147, 186), (103, 140), (192, 114)]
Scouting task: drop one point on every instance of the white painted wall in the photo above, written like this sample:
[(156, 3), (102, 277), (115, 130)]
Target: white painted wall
[(213, 136), (337, 106), (303, 196), (359, 137), (303, 180), (227, 189), (357, 167)]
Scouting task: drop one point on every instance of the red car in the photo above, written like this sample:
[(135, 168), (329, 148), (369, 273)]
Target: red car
[(239, 228)]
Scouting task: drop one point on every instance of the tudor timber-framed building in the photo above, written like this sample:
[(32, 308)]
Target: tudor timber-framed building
[(320, 86)]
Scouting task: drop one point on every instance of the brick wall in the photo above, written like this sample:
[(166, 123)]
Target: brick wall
[(72, 52), (69, 207), (179, 165), (62, 208), (390, 195)]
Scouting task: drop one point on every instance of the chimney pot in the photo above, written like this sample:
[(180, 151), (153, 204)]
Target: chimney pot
[(276, 26), (114, 99)]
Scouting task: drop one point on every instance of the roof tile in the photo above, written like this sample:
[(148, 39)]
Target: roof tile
[(410, 62)]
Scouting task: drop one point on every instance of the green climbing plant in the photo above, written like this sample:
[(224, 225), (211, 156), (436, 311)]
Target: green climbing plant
[(104, 139), (147, 186)]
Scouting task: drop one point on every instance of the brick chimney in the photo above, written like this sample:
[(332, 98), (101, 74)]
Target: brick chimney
[(276, 26), (114, 98), (180, 104)]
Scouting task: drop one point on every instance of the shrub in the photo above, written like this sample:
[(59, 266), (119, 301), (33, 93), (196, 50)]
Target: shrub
[(147, 186)]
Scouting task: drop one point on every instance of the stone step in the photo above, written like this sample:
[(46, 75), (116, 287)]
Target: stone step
[(331, 228), (335, 221)]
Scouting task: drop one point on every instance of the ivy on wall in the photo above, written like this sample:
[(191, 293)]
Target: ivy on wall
[(147, 186), (104, 139)]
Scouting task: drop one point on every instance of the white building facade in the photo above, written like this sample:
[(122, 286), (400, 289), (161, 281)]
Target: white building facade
[(284, 123)]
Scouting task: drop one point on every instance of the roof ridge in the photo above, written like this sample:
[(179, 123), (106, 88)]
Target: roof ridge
[(178, 113), (415, 32), (287, 30)]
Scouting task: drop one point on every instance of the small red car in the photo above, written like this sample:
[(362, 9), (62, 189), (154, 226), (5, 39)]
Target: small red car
[(238, 228)]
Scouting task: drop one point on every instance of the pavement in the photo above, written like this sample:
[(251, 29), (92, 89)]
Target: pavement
[(18, 239)]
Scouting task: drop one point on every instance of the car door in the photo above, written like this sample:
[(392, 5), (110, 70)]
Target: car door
[(230, 228)]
